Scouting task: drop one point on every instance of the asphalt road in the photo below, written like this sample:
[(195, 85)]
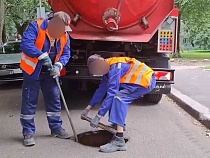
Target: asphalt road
[(194, 82), (160, 131)]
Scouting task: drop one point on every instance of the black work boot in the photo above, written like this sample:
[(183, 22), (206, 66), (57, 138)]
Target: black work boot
[(29, 140), (116, 144), (61, 134)]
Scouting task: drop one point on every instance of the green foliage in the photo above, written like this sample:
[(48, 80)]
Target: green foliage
[(19, 13), (205, 67), (195, 15), (10, 26), (193, 9)]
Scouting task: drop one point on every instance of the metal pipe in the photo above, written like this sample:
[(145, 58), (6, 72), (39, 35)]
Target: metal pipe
[(66, 108)]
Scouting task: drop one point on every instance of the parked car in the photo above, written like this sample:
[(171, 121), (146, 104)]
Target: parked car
[(10, 54)]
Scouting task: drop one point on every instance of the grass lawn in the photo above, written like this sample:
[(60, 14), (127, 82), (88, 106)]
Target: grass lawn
[(195, 55), (205, 67)]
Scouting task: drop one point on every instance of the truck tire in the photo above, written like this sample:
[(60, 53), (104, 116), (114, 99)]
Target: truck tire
[(153, 98)]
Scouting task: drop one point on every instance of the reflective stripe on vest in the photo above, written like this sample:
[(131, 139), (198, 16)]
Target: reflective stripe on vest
[(139, 73), (28, 64), (133, 70), (143, 70)]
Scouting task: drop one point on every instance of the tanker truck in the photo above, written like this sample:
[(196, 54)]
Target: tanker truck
[(143, 29)]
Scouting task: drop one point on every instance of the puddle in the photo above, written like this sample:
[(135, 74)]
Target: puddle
[(96, 138)]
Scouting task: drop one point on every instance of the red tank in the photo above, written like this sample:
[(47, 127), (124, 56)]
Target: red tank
[(114, 20), (141, 29)]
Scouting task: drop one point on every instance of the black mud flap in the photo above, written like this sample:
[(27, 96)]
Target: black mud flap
[(161, 88)]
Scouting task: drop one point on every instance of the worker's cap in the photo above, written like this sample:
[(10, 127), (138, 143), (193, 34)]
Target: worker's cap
[(97, 65), (65, 18), (59, 24)]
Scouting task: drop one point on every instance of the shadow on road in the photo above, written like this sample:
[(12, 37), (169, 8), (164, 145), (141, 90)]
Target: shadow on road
[(10, 85), (141, 102)]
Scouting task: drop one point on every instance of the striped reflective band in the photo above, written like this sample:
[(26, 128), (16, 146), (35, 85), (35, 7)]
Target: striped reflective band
[(30, 63), (140, 74), (27, 117), (53, 113), (132, 71), (119, 65)]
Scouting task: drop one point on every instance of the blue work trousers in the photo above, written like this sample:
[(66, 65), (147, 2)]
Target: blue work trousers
[(124, 97), (30, 93)]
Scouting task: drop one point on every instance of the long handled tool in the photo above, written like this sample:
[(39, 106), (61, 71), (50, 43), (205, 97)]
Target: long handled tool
[(66, 107), (101, 125), (104, 127)]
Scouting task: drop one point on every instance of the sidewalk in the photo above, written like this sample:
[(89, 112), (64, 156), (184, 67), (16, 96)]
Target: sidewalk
[(192, 92), (193, 82)]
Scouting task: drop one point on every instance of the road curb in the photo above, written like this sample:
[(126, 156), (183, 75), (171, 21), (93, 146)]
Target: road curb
[(195, 109)]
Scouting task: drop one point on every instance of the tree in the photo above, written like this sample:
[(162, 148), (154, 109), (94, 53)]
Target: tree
[(1, 19), (195, 15), (19, 13)]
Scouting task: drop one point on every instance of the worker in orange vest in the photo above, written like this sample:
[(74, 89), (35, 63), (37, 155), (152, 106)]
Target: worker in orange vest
[(124, 79), (42, 60)]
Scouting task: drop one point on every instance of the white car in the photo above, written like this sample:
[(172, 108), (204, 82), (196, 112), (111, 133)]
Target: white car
[(10, 54)]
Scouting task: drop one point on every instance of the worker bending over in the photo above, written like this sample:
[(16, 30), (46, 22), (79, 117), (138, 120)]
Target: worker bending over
[(124, 79), (41, 64)]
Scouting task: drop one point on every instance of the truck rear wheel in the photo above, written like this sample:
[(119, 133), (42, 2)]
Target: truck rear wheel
[(153, 98)]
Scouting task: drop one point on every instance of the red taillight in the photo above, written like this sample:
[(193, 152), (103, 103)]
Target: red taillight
[(63, 72), (163, 75)]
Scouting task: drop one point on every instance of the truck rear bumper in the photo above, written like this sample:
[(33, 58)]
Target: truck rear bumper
[(82, 73)]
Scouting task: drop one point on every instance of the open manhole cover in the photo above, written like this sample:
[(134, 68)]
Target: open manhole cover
[(96, 138)]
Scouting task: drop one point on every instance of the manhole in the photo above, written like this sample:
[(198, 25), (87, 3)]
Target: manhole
[(96, 138)]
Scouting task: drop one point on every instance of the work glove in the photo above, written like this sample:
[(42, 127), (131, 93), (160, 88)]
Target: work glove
[(85, 112), (95, 121), (46, 61), (55, 70)]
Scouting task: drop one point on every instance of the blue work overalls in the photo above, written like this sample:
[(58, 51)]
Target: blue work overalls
[(40, 79), (118, 96)]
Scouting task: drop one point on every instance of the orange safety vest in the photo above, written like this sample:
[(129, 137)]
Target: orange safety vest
[(28, 64), (139, 73)]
